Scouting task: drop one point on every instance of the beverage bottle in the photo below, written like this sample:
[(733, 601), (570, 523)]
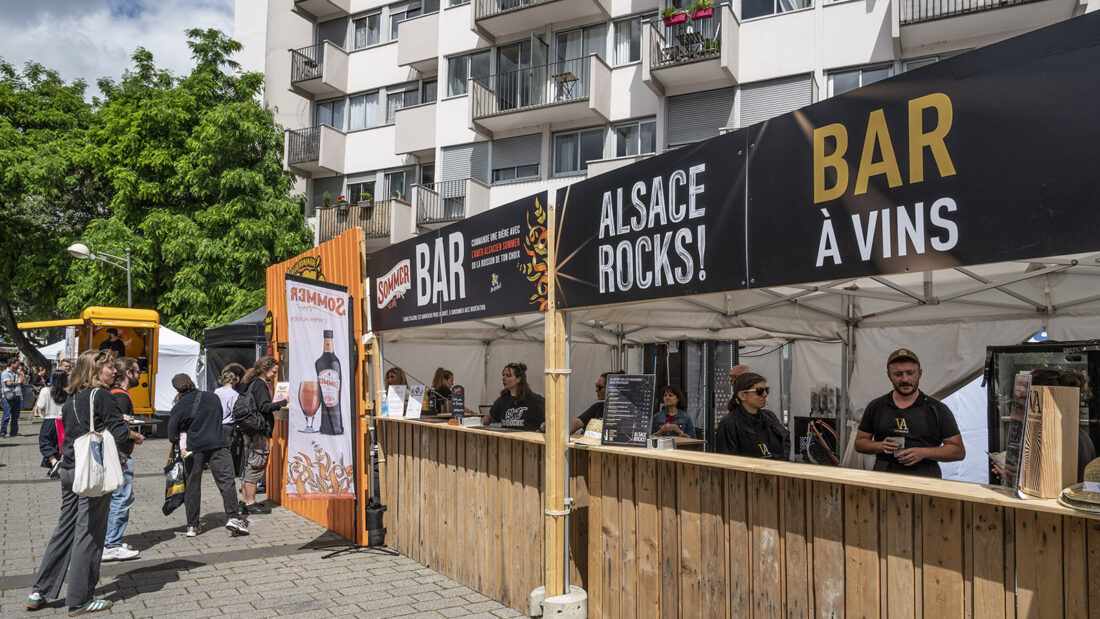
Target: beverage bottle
[(329, 378)]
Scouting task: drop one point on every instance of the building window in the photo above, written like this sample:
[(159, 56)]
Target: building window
[(331, 113), (573, 150), (427, 174), (360, 192), (842, 81), (513, 173), (401, 12), (459, 2), (400, 100), (628, 39), (582, 42), (396, 185), (428, 91), (637, 137), (760, 8), (363, 111), (368, 31), (462, 68), (909, 65)]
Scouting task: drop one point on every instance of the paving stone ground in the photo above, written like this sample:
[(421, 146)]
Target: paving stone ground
[(275, 571)]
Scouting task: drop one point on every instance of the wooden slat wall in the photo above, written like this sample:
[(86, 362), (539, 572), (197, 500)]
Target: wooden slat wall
[(687, 540), (337, 515)]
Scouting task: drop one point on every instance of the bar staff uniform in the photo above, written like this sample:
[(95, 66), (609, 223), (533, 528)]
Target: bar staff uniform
[(925, 423), (754, 436), (517, 414)]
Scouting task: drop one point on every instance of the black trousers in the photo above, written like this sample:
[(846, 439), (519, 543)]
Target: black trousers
[(221, 467), (76, 546)]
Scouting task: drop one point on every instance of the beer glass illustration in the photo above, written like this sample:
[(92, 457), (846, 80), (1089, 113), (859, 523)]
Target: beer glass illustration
[(309, 398)]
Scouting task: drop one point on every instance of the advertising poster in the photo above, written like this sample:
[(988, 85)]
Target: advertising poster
[(319, 449), (491, 264), (628, 412)]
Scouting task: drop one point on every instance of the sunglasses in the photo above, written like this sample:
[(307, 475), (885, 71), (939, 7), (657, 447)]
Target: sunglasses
[(758, 390), (599, 386)]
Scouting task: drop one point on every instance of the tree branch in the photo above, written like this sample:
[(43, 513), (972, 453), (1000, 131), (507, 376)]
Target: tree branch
[(25, 347)]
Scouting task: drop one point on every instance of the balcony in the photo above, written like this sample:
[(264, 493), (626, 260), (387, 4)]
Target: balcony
[(569, 90), (320, 10), (700, 54), (923, 23), (440, 203), (414, 131), (315, 152), (374, 218), (319, 71), (418, 43), (495, 18)]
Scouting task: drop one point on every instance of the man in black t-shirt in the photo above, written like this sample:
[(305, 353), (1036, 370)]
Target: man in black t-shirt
[(596, 410), (906, 430), (114, 343)]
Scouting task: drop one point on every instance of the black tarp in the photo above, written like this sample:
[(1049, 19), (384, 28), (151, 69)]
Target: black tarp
[(240, 341)]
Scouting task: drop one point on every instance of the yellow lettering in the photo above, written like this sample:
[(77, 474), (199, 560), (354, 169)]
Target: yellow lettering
[(877, 133), (834, 161), (919, 140)]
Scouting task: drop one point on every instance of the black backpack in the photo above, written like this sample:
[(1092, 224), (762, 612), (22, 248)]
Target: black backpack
[(247, 416)]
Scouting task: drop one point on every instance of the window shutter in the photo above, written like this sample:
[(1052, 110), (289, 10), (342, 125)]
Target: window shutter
[(335, 30), (465, 161), (518, 151), (764, 100), (698, 115)]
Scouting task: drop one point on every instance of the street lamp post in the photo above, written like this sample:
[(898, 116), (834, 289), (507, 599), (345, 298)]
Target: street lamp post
[(80, 251)]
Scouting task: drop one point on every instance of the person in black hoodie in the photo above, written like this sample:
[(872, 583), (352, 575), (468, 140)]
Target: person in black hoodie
[(199, 414), (76, 546), (517, 407), (257, 383), (750, 429)]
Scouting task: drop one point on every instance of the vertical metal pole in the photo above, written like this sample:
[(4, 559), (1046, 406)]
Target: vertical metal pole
[(129, 296)]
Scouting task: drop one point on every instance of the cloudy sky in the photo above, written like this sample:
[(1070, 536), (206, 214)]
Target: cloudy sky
[(94, 38)]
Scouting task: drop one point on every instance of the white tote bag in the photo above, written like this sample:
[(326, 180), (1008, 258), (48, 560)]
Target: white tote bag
[(98, 470)]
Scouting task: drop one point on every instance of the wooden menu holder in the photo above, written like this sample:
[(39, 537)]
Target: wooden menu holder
[(1050, 443)]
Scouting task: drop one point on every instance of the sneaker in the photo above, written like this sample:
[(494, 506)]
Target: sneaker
[(55, 470), (127, 546), (237, 526), (193, 531), (35, 601), (119, 553), (92, 606), (256, 508)]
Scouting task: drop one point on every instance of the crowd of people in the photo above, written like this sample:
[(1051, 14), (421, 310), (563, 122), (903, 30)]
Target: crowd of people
[(93, 394)]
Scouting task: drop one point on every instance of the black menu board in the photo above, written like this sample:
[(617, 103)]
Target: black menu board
[(458, 401), (628, 409)]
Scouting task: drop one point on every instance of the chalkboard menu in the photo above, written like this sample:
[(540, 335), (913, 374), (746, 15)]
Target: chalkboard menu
[(1016, 429), (628, 409), (458, 401)]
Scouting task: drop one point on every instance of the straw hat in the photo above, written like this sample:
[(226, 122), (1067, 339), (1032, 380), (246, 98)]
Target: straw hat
[(593, 433), (1084, 496)]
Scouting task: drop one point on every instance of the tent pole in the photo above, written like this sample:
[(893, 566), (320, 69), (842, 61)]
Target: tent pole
[(847, 359), (555, 508)]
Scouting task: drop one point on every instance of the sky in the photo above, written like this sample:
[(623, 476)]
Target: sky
[(90, 39)]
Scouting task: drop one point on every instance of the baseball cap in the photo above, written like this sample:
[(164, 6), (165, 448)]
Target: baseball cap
[(903, 354)]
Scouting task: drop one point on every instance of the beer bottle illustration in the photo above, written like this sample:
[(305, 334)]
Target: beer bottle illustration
[(329, 378)]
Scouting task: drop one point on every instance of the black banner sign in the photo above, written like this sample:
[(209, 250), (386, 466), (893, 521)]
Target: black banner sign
[(628, 411), (491, 264), (984, 157)]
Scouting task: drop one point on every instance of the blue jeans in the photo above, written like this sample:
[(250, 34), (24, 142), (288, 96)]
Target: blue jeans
[(121, 501), (12, 406)]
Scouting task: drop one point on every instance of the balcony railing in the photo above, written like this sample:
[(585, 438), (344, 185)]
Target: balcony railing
[(919, 11), (489, 8), (305, 145), (307, 63), (692, 41), (550, 84), (372, 217), (440, 202)]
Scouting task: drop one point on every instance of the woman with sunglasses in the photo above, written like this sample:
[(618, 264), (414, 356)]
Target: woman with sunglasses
[(672, 419), (517, 407), (750, 429)]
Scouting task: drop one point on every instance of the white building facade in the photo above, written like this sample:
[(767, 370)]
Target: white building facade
[(421, 112)]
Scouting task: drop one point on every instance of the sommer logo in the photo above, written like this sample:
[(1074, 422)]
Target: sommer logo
[(393, 285), (332, 303)]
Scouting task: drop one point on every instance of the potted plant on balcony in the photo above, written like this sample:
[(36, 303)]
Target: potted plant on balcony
[(342, 205), (672, 16), (702, 9), (711, 46)]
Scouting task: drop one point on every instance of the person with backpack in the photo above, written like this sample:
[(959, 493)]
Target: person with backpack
[(199, 414), (257, 395)]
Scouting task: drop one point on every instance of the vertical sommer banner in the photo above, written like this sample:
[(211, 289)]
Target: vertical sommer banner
[(320, 463)]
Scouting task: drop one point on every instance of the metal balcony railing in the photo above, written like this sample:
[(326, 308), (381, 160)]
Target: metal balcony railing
[(439, 202), (691, 41), (550, 84), (305, 145), (307, 63), (489, 8), (372, 217), (919, 11)]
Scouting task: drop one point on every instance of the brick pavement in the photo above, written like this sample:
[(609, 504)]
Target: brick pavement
[(275, 571)]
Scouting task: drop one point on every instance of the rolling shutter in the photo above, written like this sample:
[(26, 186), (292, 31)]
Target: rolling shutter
[(465, 161), (764, 100), (518, 151), (698, 115)]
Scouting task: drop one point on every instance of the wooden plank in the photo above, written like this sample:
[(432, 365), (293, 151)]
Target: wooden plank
[(942, 557), (494, 544), (1075, 566), (968, 559), (515, 553), (431, 525), (450, 485), (420, 453), (861, 569), (1093, 531), (828, 557), (989, 561), (796, 559), (534, 524), (610, 567), (594, 578), (1048, 564), (469, 574), (648, 533), (740, 543), (628, 600), (1027, 549), (901, 590), (578, 519), (767, 548), (479, 497), (668, 550), (715, 577), (691, 540)]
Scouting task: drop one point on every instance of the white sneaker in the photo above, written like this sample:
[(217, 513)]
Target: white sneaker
[(192, 531), (237, 526), (119, 553)]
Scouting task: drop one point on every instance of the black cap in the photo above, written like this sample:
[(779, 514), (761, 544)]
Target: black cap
[(328, 333), (902, 354)]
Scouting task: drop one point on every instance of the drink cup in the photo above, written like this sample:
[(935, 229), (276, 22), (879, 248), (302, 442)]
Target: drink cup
[(900, 442)]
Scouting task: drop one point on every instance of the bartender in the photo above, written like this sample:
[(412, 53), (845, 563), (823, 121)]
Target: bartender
[(906, 430), (750, 429), (442, 382), (517, 407), (596, 410)]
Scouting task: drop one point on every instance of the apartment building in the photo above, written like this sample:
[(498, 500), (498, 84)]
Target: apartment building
[(404, 116)]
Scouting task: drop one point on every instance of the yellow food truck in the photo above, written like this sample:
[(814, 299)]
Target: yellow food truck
[(138, 330)]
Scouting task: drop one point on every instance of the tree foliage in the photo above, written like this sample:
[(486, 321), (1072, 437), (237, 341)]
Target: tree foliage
[(185, 171)]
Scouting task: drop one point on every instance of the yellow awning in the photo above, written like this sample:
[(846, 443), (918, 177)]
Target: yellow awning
[(45, 324), (124, 315)]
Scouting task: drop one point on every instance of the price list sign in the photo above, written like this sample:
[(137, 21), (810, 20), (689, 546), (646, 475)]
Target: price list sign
[(628, 409)]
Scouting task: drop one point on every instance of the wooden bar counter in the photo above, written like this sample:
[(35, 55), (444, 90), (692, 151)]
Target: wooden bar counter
[(680, 533)]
